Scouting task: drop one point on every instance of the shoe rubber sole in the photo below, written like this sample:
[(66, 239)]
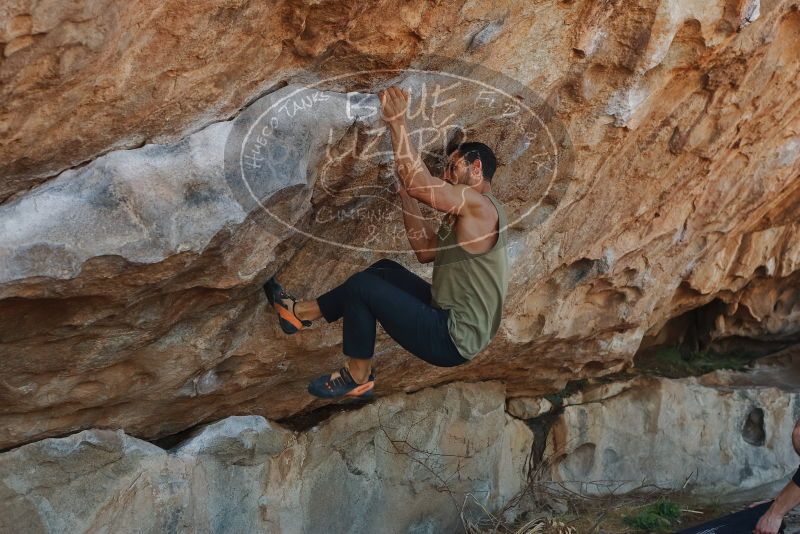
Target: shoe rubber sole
[(289, 323)]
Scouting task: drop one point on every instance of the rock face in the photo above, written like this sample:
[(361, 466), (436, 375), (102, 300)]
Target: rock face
[(131, 262), (421, 462), (719, 434), (401, 464)]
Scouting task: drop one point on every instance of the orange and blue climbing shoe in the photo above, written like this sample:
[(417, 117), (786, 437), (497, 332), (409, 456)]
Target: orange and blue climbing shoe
[(341, 384), (284, 303)]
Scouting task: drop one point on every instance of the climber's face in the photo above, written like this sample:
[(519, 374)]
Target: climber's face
[(459, 171)]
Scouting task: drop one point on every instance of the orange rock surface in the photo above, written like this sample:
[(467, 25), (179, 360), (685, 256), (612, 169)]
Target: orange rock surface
[(141, 307)]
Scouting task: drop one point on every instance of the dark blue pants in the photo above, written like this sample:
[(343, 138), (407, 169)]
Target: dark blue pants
[(389, 293)]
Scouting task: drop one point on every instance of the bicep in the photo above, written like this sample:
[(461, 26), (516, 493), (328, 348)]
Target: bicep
[(442, 196)]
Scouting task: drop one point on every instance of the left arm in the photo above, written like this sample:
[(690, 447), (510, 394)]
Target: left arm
[(788, 498)]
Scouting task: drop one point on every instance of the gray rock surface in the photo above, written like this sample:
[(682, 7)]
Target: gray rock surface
[(719, 434), (408, 463), (405, 463), (149, 203), (528, 407)]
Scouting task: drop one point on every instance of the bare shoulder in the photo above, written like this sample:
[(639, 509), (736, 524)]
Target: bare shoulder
[(480, 213), (483, 208), (472, 203)]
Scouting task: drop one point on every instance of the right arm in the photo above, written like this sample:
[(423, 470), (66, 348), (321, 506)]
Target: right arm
[(421, 233)]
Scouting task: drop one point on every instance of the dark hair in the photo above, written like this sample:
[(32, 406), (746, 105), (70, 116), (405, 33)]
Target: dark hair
[(472, 151)]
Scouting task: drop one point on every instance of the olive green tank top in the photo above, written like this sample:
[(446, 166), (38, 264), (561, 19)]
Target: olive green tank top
[(472, 286)]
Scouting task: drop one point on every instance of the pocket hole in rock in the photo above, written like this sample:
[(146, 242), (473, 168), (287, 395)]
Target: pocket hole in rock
[(753, 431)]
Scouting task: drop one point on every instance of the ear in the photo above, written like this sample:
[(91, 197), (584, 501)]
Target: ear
[(476, 168)]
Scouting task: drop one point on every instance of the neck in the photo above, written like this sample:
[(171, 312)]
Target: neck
[(481, 186)]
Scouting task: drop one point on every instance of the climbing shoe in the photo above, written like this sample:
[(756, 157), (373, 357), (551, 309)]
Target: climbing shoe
[(284, 303), (341, 384)]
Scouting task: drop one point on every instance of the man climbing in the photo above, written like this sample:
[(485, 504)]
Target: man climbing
[(445, 323)]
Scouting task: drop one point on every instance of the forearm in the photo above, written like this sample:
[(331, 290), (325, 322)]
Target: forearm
[(788, 498), (410, 167), (419, 232)]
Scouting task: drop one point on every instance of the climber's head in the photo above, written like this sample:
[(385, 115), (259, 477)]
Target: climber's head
[(470, 164)]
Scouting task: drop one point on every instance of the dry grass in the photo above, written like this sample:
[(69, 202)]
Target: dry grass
[(547, 507)]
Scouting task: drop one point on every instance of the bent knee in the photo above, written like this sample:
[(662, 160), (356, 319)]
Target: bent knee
[(358, 281)]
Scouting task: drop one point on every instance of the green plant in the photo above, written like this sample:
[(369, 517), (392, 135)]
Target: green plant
[(678, 362), (657, 517)]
